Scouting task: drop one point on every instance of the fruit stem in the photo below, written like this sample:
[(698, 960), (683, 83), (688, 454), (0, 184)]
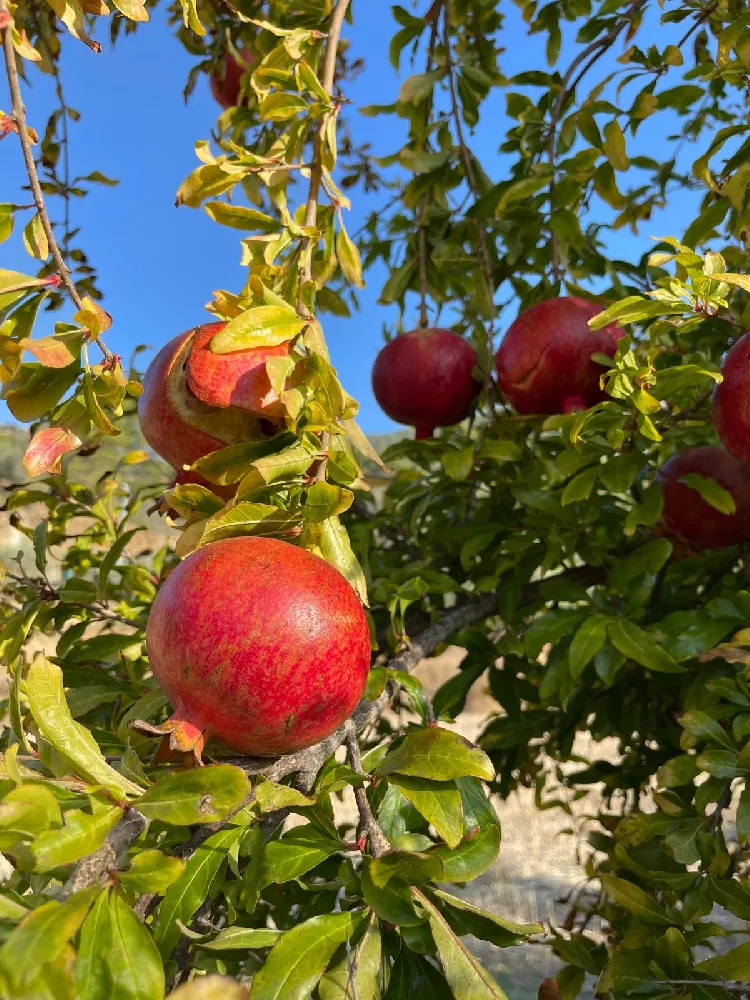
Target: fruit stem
[(423, 431), (181, 739)]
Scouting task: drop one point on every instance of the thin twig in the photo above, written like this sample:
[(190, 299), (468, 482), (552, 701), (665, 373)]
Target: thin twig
[(466, 159), (19, 117), (370, 826)]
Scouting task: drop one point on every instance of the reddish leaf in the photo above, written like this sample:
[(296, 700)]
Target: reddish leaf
[(54, 352), (47, 448), (549, 990)]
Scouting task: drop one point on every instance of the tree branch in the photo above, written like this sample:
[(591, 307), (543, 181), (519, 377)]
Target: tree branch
[(110, 856), (19, 117), (471, 179), (370, 826)]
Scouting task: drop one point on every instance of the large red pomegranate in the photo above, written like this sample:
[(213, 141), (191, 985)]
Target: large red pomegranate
[(259, 645), (237, 379), (225, 82), (732, 401), (690, 518), (424, 378), (544, 363), (179, 426)]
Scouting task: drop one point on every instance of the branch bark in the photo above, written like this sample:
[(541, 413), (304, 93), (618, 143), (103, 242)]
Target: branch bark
[(110, 856), (19, 117), (370, 826)]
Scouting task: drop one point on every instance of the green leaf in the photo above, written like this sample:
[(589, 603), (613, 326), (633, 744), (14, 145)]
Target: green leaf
[(439, 803), (392, 902), (701, 724), (259, 326), (743, 817), (240, 217), (296, 853), (416, 88), (325, 500), (41, 937), (280, 107), (438, 754), (110, 559), (735, 965), (299, 959), (614, 146), (635, 900), (270, 796), (633, 642), (242, 939), (38, 390), (467, 919), (647, 558), (82, 834), (719, 498), (117, 956), (152, 871), (732, 895), (586, 643), (407, 866), (580, 486), (336, 549), (472, 857), (338, 983), (246, 518), (199, 795), (467, 978), (458, 462), (679, 771), (186, 894), (348, 256), (44, 690)]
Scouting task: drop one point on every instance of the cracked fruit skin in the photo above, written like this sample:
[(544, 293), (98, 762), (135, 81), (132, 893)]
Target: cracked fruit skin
[(225, 85), (259, 645), (237, 379), (544, 362), (179, 426), (691, 519), (731, 404), (424, 378)]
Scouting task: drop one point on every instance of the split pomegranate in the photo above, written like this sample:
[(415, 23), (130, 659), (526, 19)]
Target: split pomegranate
[(259, 645), (179, 426), (732, 401), (691, 519), (225, 83), (544, 362), (237, 379), (424, 378)]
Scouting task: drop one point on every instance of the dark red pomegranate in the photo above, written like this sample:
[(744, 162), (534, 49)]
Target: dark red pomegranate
[(225, 83), (179, 426), (544, 363), (260, 645), (424, 378), (732, 401), (237, 379), (690, 518)]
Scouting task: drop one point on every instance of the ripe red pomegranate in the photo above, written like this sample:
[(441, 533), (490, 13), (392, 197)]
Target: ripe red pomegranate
[(177, 425), (689, 517), (732, 401), (544, 363), (236, 379), (260, 645), (424, 378), (225, 83)]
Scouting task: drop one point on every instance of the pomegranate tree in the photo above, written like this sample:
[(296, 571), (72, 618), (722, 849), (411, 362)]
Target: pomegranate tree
[(424, 378), (732, 400), (260, 645), (225, 82), (690, 518), (544, 363)]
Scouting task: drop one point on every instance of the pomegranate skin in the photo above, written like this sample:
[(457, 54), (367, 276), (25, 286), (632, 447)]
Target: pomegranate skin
[(423, 378), (731, 404), (259, 644), (691, 519), (544, 362), (237, 379), (165, 429), (225, 86)]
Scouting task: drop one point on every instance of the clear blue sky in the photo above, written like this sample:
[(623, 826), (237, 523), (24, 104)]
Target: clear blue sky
[(158, 265)]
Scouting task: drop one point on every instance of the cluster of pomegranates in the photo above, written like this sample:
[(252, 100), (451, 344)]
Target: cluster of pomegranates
[(426, 378), (259, 644)]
